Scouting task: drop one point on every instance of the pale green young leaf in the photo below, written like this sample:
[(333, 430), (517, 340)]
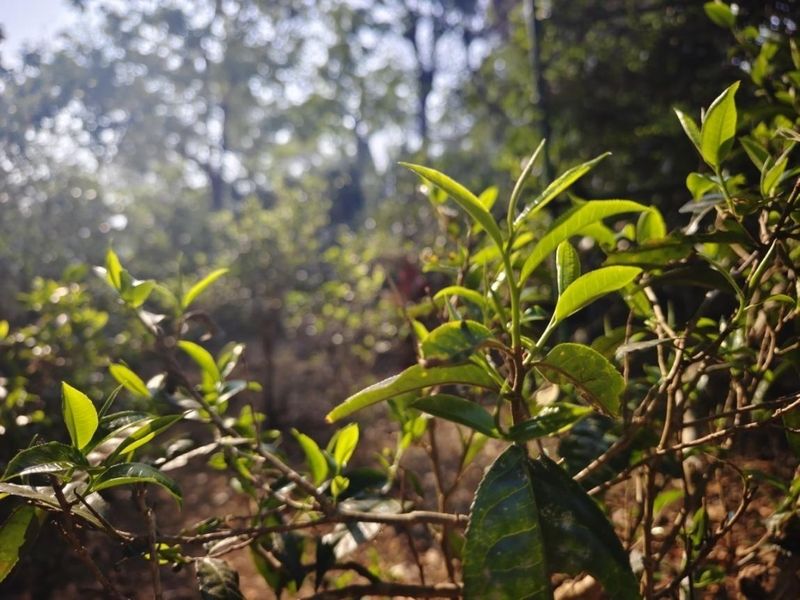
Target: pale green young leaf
[(591, 286), (568, 265), (690, 128), (719, 127), (4, 327), (345, 444), (113, 270), (412, 379), (558, 186), (143, 434), (463, 197), (650, 226), (720, 14), (129, 380), (80, 415), (317, 463), (467, 294), (202, 358), (573, 222), (201, 286)]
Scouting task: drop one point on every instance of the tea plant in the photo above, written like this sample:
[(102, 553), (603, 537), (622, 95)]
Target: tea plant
[(695, 356)]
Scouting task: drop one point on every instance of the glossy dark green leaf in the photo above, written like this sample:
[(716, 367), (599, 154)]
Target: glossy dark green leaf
[(463, 197), (573, 222), (591, 286), (577, 535), (52, 457), (458, 410), (130, 473), (13, 533), (412, 379), (201, 286), (558, 186), (216, 580), (719, 127), (550, 420), (129, 380), (595, 379), (454, 341), (504, 552), (568, 265), (80, 415)]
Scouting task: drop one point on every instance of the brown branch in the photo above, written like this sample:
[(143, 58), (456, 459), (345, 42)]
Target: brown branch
[(384, 588)]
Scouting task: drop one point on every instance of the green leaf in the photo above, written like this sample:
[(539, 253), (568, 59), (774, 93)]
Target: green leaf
[(458, 410), (561, 184), (719, 127), (504, 552), (412, 379), (757, 153), (80, 415), (201, 286), (315, 459), (594, 378), (772, 172), (137, 292), (463, 197), (550, 420), (202, 358), (129, 473), (467, 294), (650, 226), (216, 580), (4, 327), (591, 286), (653, 254), (690, 128), (129, 380), (699, 184), (568, 265), (52, 457), (44, 495), (113, 270), (12, 537), (345, 444), (573, 222), (577, 535), (143, 435), (720, 14), (453, 342)]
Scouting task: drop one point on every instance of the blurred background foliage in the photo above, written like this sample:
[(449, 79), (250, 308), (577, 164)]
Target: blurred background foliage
[(263, 135)]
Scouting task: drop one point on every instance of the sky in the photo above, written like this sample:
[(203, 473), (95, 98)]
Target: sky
[(31, 21)]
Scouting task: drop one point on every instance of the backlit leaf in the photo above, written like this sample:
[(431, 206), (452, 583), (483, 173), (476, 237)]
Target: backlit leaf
[(719, 127), (454, 341), (13, 533), (201, 286), (129, 380), (80, 415), (593, 376), (568, 265), (412, 379), (591, 286)]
